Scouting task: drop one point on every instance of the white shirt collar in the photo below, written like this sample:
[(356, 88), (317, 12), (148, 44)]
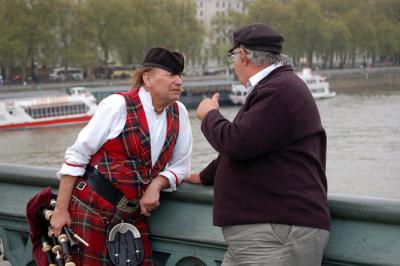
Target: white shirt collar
[(253, 81), (147, 102)]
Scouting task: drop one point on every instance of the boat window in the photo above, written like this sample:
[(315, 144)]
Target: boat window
[(52, 111), (317, 90)]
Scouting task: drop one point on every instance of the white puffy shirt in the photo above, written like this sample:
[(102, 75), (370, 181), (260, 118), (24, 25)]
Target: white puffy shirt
[(108, 122)]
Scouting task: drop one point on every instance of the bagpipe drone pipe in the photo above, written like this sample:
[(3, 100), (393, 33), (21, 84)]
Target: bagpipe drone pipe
[(48, 249)]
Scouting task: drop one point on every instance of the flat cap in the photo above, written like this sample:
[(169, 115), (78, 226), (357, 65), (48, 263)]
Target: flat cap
[(172, 62), (258, 37)]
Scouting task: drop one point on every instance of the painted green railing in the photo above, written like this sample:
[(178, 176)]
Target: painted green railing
[(365, 231)]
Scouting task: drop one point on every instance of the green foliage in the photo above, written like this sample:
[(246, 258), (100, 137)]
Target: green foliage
[(89, 33), (329, 28), (223, 27)]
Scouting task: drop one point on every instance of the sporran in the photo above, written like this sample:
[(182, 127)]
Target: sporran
[(125, 245)]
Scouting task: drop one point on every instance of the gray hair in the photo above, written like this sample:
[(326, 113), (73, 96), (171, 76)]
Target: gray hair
[(265, 58)]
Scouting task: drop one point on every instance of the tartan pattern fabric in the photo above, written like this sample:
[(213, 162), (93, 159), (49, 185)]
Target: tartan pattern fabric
[(135, 163), (123, 160), (94, 226)]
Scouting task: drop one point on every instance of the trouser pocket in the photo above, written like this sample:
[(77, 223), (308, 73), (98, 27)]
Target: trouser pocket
[(281, 232)]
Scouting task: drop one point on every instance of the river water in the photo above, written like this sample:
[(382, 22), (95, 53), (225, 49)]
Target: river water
[(363, 128)]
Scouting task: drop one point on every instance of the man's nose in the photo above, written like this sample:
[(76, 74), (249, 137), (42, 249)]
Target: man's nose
[(178, 80)]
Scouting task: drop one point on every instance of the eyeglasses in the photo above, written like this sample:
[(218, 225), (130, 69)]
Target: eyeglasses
[(233, 55)]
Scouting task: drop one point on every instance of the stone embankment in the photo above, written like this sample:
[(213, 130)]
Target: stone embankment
[(357, 78), (340, 79)]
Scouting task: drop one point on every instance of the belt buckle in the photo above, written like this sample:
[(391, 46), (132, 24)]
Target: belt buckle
[(81, 185), (123, 205)]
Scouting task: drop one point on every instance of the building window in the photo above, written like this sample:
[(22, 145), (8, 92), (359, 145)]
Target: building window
[(217, 4), (201, 13)]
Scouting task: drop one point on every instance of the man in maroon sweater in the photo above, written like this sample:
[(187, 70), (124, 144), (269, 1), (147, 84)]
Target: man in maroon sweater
[(270, 188)]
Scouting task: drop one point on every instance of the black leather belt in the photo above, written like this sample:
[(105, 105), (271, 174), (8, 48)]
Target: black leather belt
[(108, 191)]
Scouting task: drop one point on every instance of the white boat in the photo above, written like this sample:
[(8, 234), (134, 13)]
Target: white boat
[(318, 85), (238, 93), (75, 106)]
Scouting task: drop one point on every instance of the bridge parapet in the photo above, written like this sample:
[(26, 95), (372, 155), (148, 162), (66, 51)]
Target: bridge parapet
[(365, 231)]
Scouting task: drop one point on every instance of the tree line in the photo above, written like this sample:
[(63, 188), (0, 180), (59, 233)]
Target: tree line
[(88, 33), (328, 30)]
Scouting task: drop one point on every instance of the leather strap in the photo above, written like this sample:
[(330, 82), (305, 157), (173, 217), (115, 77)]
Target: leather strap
[(102, 185)]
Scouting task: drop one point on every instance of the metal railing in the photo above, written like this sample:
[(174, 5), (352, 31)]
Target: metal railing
[(365, 231)]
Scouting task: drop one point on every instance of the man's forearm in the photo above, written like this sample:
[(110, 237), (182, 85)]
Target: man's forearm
[(65, 191), (160, 182)]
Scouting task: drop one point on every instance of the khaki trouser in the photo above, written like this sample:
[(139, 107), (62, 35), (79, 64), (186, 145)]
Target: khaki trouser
[(274, 244)]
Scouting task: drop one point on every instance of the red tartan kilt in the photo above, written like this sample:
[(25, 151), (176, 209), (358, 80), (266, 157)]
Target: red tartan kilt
[(94, 229)]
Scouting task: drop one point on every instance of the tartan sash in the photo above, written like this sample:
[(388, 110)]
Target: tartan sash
[(127, 158)]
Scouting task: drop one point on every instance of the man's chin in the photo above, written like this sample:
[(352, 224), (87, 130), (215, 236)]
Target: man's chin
[(176, 96)]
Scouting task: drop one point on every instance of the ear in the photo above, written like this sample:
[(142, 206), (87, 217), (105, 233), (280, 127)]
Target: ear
[(147, 79), (243, 58)]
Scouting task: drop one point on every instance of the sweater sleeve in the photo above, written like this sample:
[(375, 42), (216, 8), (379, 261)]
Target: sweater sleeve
[(207, 175), (262, 128)]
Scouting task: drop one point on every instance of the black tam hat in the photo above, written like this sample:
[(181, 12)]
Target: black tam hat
[(172, 62), (258, 37)]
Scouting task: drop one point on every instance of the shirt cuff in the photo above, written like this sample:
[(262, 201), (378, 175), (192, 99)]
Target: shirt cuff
[(71, 169), (172, 179)]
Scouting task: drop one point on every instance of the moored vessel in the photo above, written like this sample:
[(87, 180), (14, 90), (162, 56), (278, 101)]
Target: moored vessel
[(77, 105), (318, 85)]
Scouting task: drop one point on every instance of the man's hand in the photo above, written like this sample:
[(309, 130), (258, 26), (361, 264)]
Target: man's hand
[(61, 215), (59, 219), (151, 197), (206, 105), (193, 178)]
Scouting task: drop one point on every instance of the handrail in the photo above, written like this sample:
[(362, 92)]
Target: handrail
[(365, 230), (384, 210)]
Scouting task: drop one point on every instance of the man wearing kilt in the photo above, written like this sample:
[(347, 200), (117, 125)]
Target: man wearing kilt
[(139, 143)]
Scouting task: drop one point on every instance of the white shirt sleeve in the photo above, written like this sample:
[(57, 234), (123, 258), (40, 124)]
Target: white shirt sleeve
[(180, 164), (107, 123)]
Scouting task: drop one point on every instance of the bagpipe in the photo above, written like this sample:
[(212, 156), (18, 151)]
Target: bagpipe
[(47, 248), (123, 241)]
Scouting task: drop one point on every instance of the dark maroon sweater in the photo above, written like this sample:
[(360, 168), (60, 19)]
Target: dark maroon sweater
[(272, 157)]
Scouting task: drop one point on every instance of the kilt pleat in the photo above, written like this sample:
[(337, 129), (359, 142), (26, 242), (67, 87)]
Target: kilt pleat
[(95, 227)]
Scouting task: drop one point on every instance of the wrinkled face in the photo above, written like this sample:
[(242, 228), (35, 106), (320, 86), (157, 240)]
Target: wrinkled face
[(163, 86)]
